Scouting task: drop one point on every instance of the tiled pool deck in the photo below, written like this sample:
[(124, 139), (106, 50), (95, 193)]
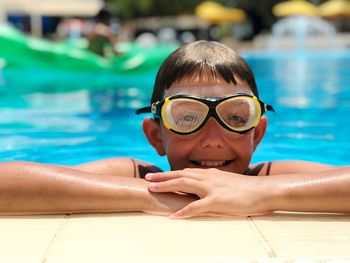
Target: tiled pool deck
[(136, 237)]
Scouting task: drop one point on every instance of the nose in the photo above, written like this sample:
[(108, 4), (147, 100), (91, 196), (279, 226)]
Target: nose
[(211, 135)]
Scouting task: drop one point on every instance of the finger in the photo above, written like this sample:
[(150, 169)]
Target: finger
[(196, 208), (160, 177), (165, 176), (186, 185)]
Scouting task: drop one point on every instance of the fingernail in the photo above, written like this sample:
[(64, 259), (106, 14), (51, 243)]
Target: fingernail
[(175, 216), (152, 186), (148, 176)]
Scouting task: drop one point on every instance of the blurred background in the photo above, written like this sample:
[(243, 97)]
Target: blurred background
[(72, 73), (175, 21)]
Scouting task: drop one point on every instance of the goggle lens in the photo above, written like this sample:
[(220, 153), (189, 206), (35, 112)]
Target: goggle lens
[(239, 114), (184, 115)]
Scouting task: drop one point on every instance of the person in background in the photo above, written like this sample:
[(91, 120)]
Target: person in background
[(102, 35)]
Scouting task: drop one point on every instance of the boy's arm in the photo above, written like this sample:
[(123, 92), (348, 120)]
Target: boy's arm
[(119, 166), (31, 188), (323, 190), (224, 193)]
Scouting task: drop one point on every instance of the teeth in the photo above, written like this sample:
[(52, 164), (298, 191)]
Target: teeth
[(211, 163)]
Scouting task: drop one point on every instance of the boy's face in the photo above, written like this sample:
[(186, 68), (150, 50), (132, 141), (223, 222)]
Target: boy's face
[(213, 146)]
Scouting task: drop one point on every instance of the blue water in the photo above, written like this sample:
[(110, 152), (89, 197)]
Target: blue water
[(74, 118)]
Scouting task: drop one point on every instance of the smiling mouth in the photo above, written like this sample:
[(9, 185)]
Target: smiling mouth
[(211, 164)]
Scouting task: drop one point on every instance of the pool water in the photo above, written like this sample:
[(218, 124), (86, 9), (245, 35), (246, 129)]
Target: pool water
[(67, 118)]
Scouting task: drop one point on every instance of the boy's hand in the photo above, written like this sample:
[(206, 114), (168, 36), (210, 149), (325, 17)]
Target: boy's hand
[(168, 203), (220, 193)]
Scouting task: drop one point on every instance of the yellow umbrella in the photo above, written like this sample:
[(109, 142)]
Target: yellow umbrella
[(217, 13), (335, 8), (295, 7)]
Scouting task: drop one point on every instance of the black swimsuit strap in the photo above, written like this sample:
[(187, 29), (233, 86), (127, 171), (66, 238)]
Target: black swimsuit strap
[(255, 171), (268, 168)]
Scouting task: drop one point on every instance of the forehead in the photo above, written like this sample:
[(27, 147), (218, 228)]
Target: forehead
[(207, 87)]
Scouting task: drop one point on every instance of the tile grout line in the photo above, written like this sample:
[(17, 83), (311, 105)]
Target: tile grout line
[(58, 231), (261, 238)]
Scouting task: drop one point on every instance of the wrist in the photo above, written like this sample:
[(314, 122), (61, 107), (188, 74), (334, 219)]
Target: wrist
[(136, 195), (269, 195), (118, 194)]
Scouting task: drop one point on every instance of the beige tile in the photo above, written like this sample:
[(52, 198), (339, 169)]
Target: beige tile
[(135, 237), (26, 238), (314, 236)]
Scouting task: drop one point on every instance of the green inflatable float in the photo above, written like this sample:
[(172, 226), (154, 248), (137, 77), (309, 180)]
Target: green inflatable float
[(18, 51)]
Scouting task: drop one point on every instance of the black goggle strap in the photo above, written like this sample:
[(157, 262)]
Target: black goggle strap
[(155, 108), (265, 107), (143, 110)]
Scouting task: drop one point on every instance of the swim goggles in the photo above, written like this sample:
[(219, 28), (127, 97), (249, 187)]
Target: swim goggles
[(185, 114)]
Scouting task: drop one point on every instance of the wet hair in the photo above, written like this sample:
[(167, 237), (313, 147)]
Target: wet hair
[(202, 58)]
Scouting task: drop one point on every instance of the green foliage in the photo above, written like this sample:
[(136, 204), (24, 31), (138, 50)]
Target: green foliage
[(131, 8), (135, 8), (174, 7)]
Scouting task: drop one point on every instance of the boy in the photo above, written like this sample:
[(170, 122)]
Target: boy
[(207, 115)]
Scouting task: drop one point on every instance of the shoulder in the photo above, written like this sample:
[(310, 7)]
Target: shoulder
[(287, 167), (120, 167), (142, 168)]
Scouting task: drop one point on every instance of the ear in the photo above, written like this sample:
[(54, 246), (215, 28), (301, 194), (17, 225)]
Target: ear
[(152, 131), (259, 131)]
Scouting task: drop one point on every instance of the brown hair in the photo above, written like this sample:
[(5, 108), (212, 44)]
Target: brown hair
[(201, 57)]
